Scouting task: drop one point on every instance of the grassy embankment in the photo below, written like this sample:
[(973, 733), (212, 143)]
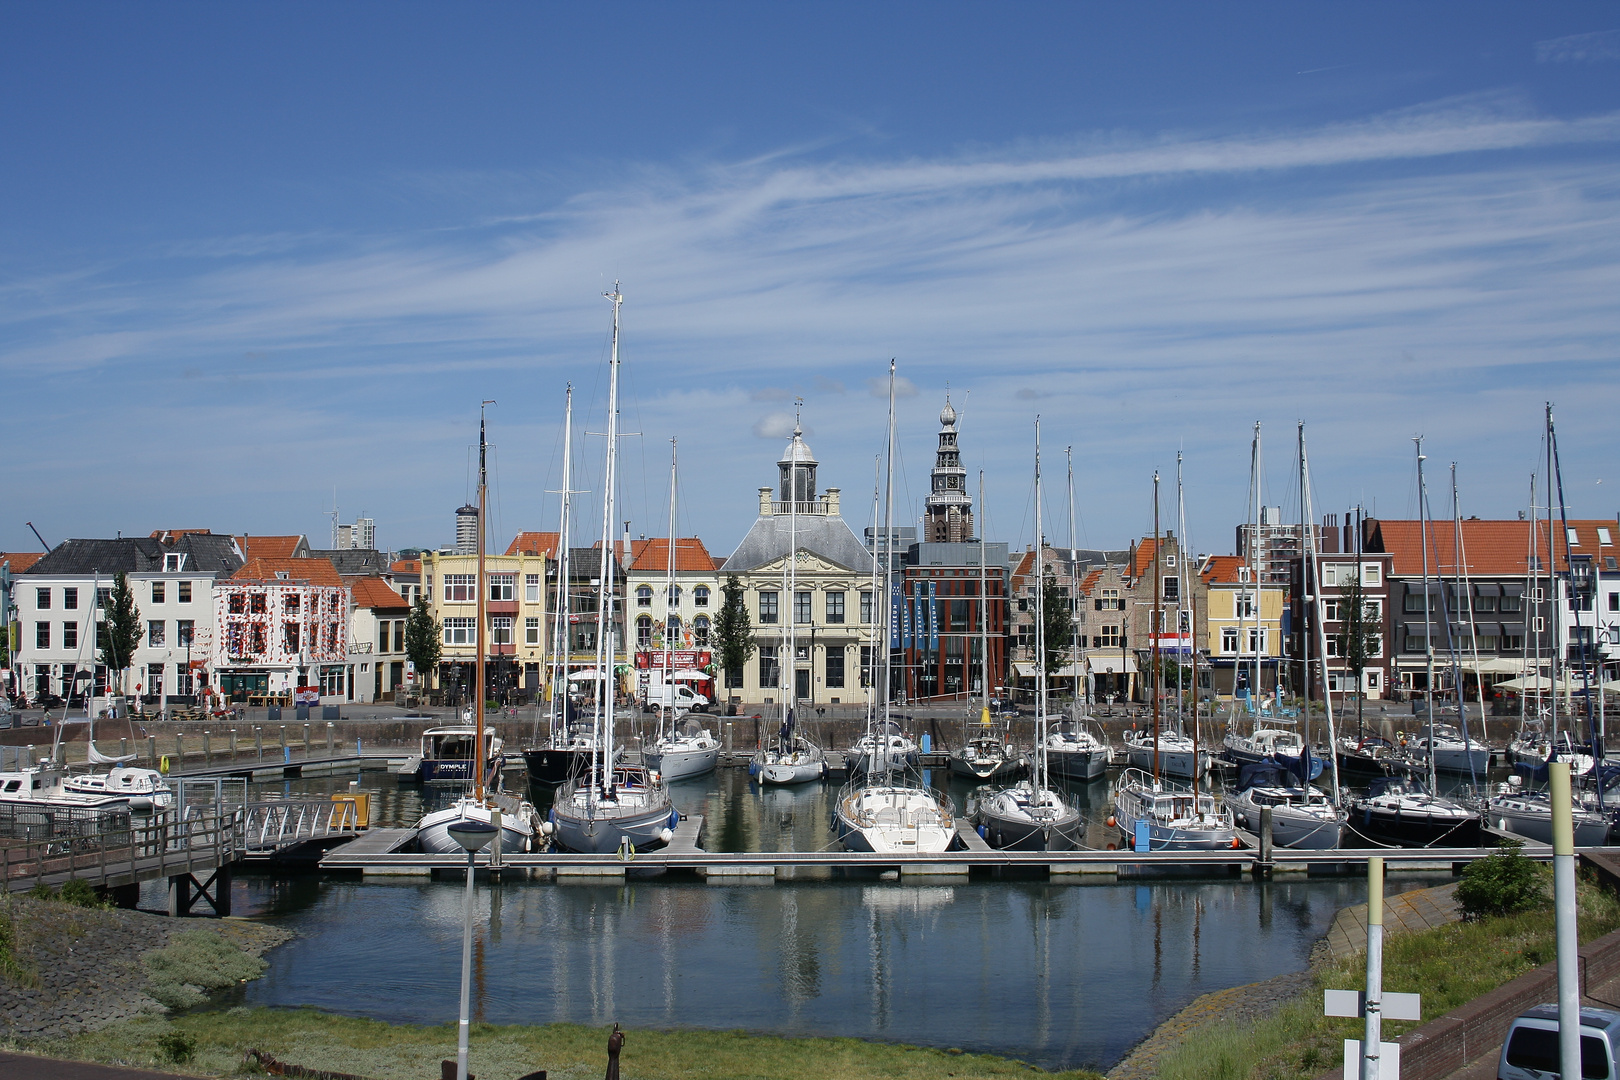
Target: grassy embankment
[(567, 1051), (1450, 966)]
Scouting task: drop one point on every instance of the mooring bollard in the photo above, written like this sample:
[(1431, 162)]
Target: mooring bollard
[(258, 740), (329, 733), (179, 751), (306, 740), (283, 740), (233, 744), (208, 753)]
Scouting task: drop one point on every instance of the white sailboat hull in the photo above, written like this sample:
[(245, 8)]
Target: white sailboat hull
[(517, 828), (893, 820)]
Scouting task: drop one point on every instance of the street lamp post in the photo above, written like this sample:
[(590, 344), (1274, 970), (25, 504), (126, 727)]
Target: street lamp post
[(471, 835)]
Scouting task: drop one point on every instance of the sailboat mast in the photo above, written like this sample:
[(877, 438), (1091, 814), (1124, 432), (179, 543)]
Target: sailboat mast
[(1074, 587), (791, 689), (669, 594), (1040, 627), (1428, 607), (1466, 590), (604, 598), (1155, 626), (881, 603), (984, 611), (1181, 598), (1307, 602), (1253, 640), (559, 656), (483, 608), (1529, 594), (1556, 477), (888, 572), (1314, 589), (1554, 661)]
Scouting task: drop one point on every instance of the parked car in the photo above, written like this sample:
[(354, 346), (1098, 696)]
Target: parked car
[(678, 695), (1530, 1050)]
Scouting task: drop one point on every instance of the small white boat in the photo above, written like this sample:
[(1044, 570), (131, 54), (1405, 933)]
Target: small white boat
[(1302, 816), (884, 750), (1165, 816), (146, 789), (893, 818), (1533, 748), (1176, 752), (1263, 744), (986, 756), (688, 750), (1529, 814), (41, 786), (790, 759), (1077, 749), (630, 808), (518, 823), (1452, 752), (446, 755)]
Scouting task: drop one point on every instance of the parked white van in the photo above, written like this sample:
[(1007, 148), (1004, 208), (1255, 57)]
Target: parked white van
[(1530, 1051), (677, 695)]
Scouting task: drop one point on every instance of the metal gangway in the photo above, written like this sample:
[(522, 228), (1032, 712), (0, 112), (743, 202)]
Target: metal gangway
[(275, 825)]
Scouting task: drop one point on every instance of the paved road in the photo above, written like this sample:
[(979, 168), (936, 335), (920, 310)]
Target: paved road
[(40, 1068)]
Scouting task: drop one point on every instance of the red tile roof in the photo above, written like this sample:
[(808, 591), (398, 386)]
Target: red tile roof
[(1222, 569), (406, 566), (690, 555), (532, 543), (1091, 582), (268, 547), (1142, 557), (166, 535), (1491, 548), (307, 571), (374, 592), (21, 560)]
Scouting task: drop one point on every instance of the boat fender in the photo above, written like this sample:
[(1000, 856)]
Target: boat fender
[(674, 819), (753, 768), (1236, 843), (666, 836), (547, 828), (163, 766), (1113, 823), (981, 832)]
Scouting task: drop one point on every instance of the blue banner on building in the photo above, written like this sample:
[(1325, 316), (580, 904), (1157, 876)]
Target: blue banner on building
[(933, 617), (895, 630)]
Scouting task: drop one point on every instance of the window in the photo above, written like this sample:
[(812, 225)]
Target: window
[(866, 661), (1540, 626), (1486, 642), (700, 631), (1512, 603), (1109, 638), (768, 668), (531, 630), (459, 631), (1614, 601), (531, 588), (331, 637), (674, 598), (1603, 537), (382, 635), (644, 632), (672, 632), (103, 597), (1416, 643), (1172, 588), (70, 599), (185, 633), (502, 588), (801, 607), (1609, 563), (183, 591), (42, 599), (70, 635), (1243, 604), (1572, 536), (1257, 639), (767, 609), (1370, 573), (42, 635), (1110, 601), (1330, 574), (458, 589), (835, 669), (734, 679), (290, 636), (1512, 642), (700, 596), (154, 633), (1484, 603), (258, 604), (173, 562), (332, 679), (500, 629), (866, 609), (644, 596), (1229, 639), (154, 679), (157, 592), (399, 635), (835, 608)]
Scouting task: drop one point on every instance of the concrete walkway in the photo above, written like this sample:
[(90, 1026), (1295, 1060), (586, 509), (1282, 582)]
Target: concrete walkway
[(1420, 909), (43, 1068)]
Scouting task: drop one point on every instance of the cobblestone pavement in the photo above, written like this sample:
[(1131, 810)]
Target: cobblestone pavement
[(88, 963), (1419, 909)]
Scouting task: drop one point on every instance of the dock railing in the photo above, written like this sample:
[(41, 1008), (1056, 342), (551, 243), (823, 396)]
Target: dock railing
[(127, 851)]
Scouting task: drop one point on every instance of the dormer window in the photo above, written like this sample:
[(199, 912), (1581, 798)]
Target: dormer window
[(281, 575), (174, 562)]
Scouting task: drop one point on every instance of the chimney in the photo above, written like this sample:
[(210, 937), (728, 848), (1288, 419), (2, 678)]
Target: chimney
[(831, 497), (764, 502)]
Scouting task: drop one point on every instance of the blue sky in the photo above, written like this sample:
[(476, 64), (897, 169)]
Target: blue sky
[(252, 254)]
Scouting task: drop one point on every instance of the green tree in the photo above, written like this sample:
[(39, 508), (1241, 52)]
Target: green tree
[(1358, 640), (1059, 626), (733, 633), (1503, 884), (120, 629), (424, 640)]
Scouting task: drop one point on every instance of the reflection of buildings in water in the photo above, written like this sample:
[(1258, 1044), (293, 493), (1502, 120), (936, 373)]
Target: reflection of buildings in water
[(906, 899)]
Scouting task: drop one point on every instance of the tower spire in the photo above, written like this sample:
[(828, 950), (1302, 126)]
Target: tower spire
[(948, 508)]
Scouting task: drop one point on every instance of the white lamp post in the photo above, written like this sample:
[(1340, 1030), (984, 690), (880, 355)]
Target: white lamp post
[(471, 835)]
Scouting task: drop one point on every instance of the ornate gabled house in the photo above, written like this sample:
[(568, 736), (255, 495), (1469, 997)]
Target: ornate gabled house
[(832, 606)]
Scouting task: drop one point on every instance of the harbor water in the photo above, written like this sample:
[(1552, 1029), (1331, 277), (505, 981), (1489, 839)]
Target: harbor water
[(1059, 975)]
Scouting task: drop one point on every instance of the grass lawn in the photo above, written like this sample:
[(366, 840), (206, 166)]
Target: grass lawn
[(567, 1051), (1449, 966)]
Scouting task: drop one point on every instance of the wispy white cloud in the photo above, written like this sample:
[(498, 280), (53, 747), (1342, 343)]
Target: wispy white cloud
[(1439, 262), (1594, 48)]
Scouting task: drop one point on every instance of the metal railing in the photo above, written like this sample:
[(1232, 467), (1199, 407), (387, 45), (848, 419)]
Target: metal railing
[(147, 847), (283, 822)]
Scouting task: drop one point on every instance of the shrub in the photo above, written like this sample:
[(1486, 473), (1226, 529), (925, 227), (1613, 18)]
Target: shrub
[(41, 891), (1502, 884), (81, 893), (177, 1046)]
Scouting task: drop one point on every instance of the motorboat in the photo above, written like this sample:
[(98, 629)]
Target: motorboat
[(447, 753), (1077, 750), (145, 789), (986, 756), (1161, 815), (893, 819), (1369, 755), (1452, 752), (625, 810), (688, 749), (1528, 814), (42, 787), (1401, 811), (1263, 744), (1178, 755), (1302, 816)]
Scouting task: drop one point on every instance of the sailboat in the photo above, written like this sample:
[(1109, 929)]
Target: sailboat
[(1404, 810), (145, 789), (1029, 815), (985, 753), (485, 802), (684, 748), (1153, 814), (881, 810), (1075, 746), (609, 806)]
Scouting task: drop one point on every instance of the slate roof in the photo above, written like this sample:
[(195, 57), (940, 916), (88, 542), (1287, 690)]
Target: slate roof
[(534, 543), (374, 592), (691, 556), (827, 537), (354, 562), (207, 553), (1492, 548), (303, 571)]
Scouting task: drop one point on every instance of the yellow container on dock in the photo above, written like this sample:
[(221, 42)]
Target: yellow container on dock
[(362, 807)]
